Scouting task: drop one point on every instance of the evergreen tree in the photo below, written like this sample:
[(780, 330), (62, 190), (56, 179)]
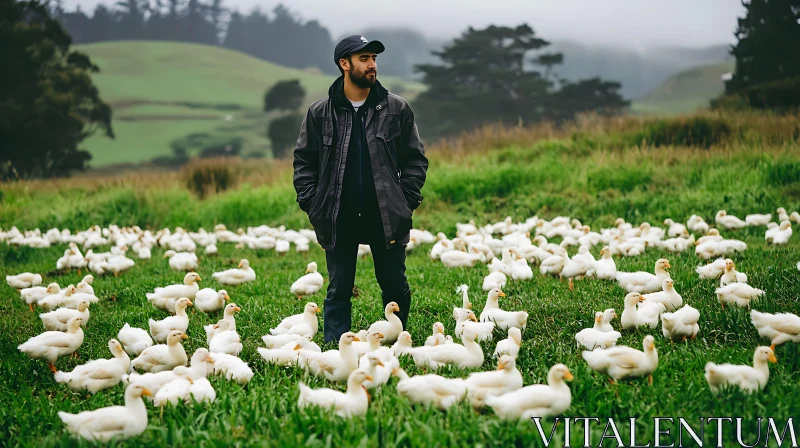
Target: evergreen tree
[(48, 103), (768, 47), (485, 77)]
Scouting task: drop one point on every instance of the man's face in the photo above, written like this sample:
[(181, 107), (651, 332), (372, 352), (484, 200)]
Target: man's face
[(362, 69)]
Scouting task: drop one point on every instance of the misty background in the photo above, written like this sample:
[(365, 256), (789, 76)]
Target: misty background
[(639, 44)]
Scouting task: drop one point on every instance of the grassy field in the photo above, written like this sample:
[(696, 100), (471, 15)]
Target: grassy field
[(587, 172), (685, 92), (150, 86)]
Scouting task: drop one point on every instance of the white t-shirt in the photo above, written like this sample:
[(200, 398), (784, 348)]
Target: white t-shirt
[(357, 104)]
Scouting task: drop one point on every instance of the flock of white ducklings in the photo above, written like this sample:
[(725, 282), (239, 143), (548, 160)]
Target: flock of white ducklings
[(367, 359)]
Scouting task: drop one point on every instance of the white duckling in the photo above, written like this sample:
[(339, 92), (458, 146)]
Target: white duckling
[(208, 300), (303, 324), (645, 282), (723, 219), (165, 298), (605, 268), (758, 219), (609, 314), (778, 327), (155, 381), (160, 329), (335, 365), (225, 340), (98, 374), (697, 224), (227, 315), (211, 249), (430, 388), (24, 280), (782, 215), (536, 400), (120, 422), (511, 345), (468, 355), (117, 264), (738, 293), (403, 344), (748, 379), (502, 319), (277, 341), (57, 320), (242, 274), (781, 235), (374, 366), (496, 279), (681, 324), (520, 270), (506, 378), (286, 355), (85, 285), (458, 258), (678, 244), (51, 345), (668, 296), (622, 362), (372, 344), (465, 319), (308, 284), (36, 293), (465, 303), (438, 336), (158, 358), (353, 403), (578, 266), (553, 265), (232, 368), (731, 275), (392, 326), (594, 337), (191, 384), (712, 270), (674, 228), (182, 261), (639, 313), (135, 340)]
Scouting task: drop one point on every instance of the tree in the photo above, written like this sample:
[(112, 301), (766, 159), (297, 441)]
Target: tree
[(767, 48), (486, 77), (282, 133), (48, 103), (284, 95)]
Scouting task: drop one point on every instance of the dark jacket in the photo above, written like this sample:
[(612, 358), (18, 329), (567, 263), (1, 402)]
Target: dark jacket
[(396, 157)]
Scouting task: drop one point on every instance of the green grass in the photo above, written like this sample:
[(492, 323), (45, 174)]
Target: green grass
[(686, 91), (594, 181), (157, 76)]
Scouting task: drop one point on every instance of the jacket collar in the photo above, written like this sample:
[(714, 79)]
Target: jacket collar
[(336, 94)]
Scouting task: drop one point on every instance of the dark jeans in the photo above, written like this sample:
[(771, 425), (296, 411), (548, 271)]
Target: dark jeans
[(390, 271)]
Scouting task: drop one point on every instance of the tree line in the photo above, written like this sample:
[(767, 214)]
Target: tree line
[(280, 37)]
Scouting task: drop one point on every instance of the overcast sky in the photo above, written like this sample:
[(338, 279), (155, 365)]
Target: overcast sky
[(627, 23)]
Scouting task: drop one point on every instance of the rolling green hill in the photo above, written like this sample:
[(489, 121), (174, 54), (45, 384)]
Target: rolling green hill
[(163, 91), (685, 91)]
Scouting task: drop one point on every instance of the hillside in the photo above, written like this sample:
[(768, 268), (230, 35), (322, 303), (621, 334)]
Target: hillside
[(685, 91), (162, 91)]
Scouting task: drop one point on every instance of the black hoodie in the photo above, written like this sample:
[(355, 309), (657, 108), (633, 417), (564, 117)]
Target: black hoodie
[(359, 198)]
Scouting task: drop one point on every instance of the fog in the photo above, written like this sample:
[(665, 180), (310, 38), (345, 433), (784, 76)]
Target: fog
[(633, 24)]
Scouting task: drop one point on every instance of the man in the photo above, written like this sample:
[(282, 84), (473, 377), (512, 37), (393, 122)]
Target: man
[(359, 166)]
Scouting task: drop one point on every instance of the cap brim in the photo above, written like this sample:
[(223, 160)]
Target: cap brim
[(374, 46)]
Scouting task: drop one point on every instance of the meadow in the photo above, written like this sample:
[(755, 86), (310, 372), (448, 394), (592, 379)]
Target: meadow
[(163, 91), (595, 170)]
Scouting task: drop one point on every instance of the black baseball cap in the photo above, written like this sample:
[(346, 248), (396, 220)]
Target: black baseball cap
[(354, 43)]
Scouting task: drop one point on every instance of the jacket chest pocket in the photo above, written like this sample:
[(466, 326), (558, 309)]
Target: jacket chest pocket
[(326, 149)]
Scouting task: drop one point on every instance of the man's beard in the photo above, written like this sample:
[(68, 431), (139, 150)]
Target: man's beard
[(361, 79)]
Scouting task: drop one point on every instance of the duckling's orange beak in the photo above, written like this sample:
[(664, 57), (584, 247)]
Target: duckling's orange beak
[(773, 359), (568, 376), (146, 391)]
